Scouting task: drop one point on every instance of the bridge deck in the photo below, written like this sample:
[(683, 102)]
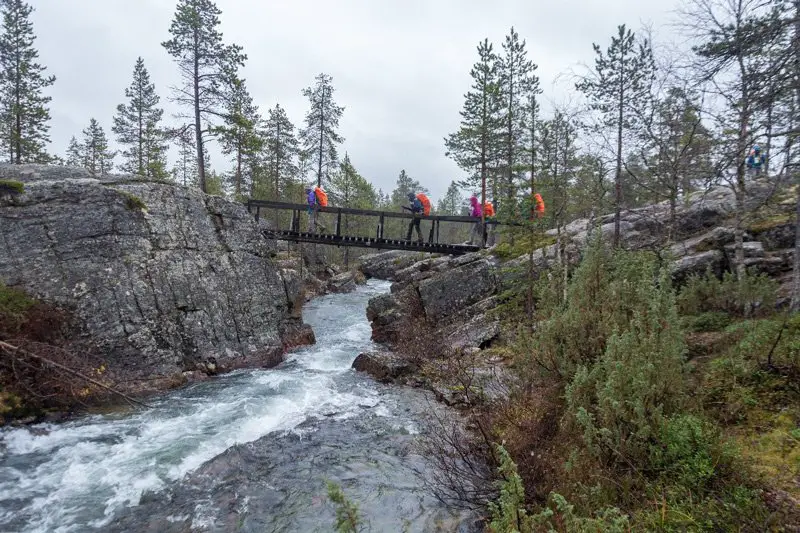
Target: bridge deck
[(371, 242)]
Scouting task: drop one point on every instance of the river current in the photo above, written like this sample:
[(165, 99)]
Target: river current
[(247, 451)]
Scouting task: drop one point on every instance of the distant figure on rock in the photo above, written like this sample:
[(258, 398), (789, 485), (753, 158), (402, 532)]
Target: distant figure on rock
[(756, 160), (537, 206), (316, 198), (475, 212)]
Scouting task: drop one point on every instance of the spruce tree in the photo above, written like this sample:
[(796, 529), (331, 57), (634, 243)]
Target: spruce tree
[(206, 66), (320, 136), (137, 125), (476, 142), (516, 81), (240, 137), (616, 87), (75, 154), (24, 110), (184, 172), (451, 202), (405, 184), (349, 189), (97, 158), (281, 149)]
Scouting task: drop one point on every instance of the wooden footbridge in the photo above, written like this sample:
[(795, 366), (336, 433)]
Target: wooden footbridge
[(340, 237)]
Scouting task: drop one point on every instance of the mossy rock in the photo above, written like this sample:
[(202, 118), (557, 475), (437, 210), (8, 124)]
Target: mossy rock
[(11, 187), (133, 202)]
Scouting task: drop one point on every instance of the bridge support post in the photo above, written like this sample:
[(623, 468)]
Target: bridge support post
[(339, 223), (380, 227), (258, 213)]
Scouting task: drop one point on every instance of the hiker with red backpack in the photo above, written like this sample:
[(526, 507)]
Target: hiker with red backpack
[(316, 198), (419, 205)]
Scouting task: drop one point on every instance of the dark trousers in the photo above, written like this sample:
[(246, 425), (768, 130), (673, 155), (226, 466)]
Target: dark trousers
[(414, 224)]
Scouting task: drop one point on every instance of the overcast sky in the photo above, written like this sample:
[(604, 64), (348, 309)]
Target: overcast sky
[(400, 67)]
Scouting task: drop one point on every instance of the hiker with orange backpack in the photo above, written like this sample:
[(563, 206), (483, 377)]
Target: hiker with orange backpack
[(416, 208), (316, 198), (537, 207), (488, 214)]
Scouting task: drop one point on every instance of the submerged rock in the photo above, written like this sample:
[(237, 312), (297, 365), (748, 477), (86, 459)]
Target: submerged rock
[(160, 277)]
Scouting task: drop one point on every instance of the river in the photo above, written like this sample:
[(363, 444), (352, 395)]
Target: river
[(247, 451)]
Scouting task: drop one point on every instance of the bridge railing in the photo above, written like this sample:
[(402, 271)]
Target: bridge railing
[(380, 228)]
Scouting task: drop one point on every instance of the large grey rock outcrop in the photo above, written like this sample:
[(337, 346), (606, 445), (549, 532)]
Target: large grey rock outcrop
[(160, 277)]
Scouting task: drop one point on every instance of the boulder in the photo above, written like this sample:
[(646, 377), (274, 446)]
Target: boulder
[(476, 333), (386, 265), (344, 282), (456, 289), (697, 264), (159, 277), (383, 366)]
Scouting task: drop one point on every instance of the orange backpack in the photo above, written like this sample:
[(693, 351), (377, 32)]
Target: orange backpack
[(539, 203), (488, 209), (322, 197), (426, 204)]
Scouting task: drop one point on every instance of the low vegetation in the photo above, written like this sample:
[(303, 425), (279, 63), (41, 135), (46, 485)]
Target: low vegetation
[(11, 187)]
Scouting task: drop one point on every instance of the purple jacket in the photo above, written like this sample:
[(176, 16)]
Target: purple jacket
[(312, 198), (476, 207)]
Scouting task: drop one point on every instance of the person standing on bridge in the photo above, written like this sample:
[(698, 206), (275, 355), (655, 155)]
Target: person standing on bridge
[(316, 198), (475, 212), (416, 208)]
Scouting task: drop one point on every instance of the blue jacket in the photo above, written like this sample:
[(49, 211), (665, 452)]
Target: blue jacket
[(755, 162), (416, 206)]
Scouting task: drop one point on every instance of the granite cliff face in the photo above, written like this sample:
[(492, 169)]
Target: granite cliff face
[(161, 279)]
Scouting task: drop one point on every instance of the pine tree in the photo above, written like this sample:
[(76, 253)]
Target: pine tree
[(206, 67), (405, 184), (97, 158), (615, 88), (452, 201), (137, 126), (516, 81), (349, 189), (320, 136), (477, 140), (185, 172), (240, 137), (75, 155), (24, 113), (281, 149)]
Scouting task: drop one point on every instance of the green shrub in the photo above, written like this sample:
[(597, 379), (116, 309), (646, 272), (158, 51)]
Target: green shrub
[(620, 402), (708, 321), (508, 513), (13, 306), (747, 297), (690, 453), (348, 519), (11, 187), (133, 202)]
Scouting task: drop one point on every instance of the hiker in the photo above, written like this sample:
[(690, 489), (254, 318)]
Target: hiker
[(756, 160), (488, 214), (416, 209), (316, 198), (475, 212), (537, 209)]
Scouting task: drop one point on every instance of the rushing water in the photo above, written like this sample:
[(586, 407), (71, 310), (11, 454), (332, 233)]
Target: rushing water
[(248, 451)]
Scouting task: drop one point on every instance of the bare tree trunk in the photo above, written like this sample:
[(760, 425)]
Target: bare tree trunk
[(618, 176), (795, 306), (201, 160)]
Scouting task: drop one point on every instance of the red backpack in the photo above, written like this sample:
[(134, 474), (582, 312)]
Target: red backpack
[(426, 204)]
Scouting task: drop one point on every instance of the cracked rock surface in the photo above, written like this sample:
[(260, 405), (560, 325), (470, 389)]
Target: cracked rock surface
[(161, 278)]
